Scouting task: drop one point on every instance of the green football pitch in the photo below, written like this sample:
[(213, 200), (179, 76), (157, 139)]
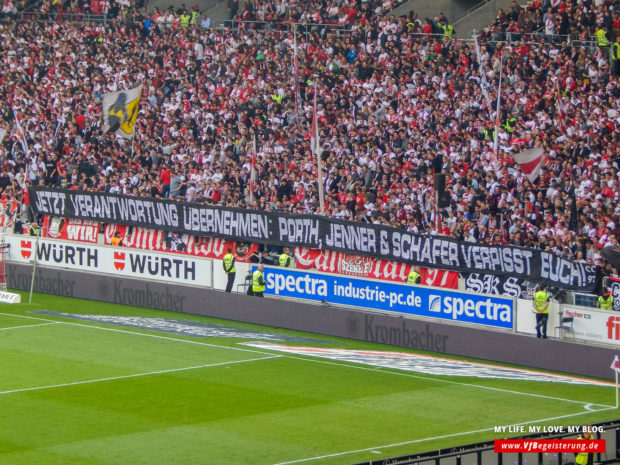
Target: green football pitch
[(89, 392)]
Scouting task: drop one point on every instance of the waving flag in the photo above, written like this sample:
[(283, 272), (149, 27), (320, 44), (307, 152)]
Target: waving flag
[(531, 161), (22, 134), (120, 110)]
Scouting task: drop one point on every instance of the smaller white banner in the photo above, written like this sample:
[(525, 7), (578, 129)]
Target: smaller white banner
[(10, 298)]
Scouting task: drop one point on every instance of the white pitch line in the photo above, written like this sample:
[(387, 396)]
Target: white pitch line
[(113, 378), (30, 326), (156, 336), (446, 381), (415, 441), (314, 360)]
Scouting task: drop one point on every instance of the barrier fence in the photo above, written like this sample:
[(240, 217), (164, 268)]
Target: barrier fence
[(483, 453)]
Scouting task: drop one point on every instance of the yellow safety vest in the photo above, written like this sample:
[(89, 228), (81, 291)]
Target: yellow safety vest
[(615, 55), (510, 124), (606, 303), (285, 260), (184, 20), (601, 38), (582, 458), (195, 16), (540, 299), (447, 32), (413, 277), (229, 263), (257, 277)]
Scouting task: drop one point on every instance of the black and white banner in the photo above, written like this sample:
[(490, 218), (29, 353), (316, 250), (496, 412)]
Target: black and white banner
[(499, 285), (317, 233), (503, 285), (613, 284)]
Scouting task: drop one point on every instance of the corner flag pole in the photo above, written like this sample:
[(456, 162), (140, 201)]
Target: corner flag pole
[(615, 365)]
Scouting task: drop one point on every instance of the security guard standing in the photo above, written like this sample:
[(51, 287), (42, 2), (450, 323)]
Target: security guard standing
[(510, 124), (606, 300), (33, 230), (541, 308), (195, 14), (583, 458), (615, 58), (185, 18), (601, 38), (258, 281), (285, 260), (448, 29), (414, 276), (229, 268)]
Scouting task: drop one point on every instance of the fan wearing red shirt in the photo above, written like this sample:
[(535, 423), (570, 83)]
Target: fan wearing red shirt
[(165, 181)]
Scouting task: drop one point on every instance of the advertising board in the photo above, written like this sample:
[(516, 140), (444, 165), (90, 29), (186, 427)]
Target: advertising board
[(602, 326), (111, 260), (490, 311)]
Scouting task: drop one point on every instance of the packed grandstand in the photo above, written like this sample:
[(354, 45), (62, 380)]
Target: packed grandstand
[(397, 98)]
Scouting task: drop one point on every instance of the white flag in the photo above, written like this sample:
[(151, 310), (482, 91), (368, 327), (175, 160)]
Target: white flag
[(22, 134), (120, 110), (615, 365), (531, 161)]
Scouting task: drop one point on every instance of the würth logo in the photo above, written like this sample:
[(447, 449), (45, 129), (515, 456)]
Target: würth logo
[(26, 249), (119, 260)]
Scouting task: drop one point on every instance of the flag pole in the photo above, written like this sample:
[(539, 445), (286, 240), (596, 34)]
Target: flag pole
[(317, 150), (615, 365), (617, 405), (499, 99), (252, 170)]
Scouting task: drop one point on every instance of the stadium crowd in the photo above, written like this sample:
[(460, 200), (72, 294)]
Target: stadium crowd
[(396, 97)]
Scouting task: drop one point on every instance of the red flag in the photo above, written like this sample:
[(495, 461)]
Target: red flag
[(562, 107), (531, 161), (615, 365), (253, 171)]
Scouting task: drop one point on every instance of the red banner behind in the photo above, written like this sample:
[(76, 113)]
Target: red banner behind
[(367, 267), (321, 260), (70, 229), (160, 241)]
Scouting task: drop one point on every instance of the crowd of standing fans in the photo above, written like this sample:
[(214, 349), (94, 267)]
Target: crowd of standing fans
[(398, 98)]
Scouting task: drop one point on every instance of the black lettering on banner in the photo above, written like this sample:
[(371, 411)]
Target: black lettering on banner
[(318, 233), (499, 285), (614, 287)]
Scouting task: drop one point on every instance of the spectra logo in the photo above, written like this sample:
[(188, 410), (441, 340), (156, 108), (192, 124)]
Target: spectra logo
[(434, 303)]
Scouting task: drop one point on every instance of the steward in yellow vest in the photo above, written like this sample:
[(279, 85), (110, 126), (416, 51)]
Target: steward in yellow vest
[(229, 268), (583, 458), (285, 260), (258, 281), (601, 38), (541, 308), (606, 301), (414, 277)]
